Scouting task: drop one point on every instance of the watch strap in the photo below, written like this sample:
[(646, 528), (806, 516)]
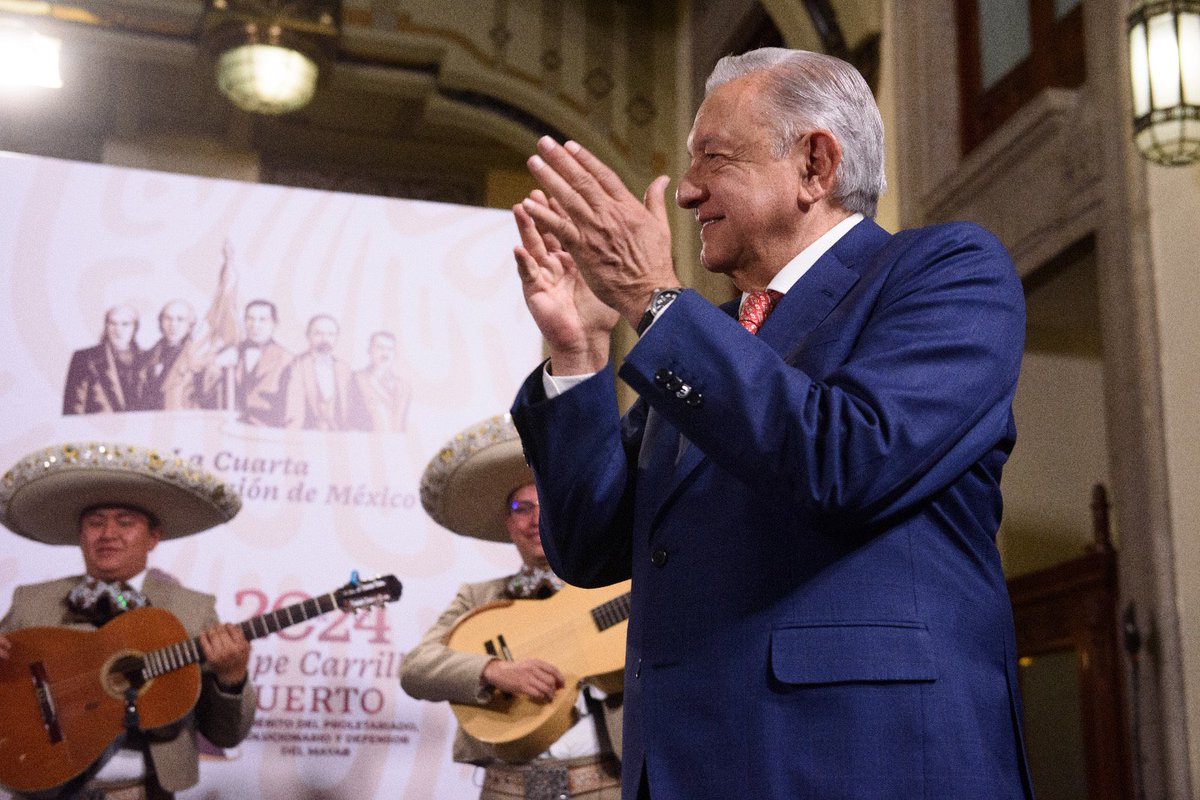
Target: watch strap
[(659, 299)]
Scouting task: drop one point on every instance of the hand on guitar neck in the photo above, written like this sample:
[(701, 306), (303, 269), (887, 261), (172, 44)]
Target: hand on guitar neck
[(227, 653), (531, 677), (225, 649)]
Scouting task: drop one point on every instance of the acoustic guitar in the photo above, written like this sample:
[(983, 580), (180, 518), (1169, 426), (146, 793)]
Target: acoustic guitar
[(67, 696), (580, 631)]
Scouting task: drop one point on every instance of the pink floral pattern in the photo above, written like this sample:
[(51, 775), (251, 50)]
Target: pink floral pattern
[(756, 307)]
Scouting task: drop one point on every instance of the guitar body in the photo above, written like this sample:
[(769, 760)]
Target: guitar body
[(63, 691), (561, 630), (47, 740)]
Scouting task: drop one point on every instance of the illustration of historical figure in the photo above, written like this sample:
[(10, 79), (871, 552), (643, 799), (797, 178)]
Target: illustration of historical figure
[(317, 383), (167, 373), (379, 398), (103, 378), (249, 376)]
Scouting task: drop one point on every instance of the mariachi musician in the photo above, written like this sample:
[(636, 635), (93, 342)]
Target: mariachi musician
[(479, 485), (116, 503)]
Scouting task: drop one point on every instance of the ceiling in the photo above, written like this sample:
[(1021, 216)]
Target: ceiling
[(401, 112)]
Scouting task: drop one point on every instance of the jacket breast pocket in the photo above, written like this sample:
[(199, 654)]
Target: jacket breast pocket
[(822, 653)]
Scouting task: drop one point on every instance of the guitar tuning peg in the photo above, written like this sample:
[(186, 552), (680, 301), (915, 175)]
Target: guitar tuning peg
[(354, 581)]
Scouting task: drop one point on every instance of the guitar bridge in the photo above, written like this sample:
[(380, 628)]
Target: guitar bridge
[(41, 687)]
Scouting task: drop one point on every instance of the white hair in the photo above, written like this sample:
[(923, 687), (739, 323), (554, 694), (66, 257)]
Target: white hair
[(804, 91)]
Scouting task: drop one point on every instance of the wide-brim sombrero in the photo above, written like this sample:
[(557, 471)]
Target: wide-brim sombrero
[(465, 485), (43, 495)]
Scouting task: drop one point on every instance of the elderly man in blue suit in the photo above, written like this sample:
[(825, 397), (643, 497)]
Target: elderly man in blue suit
[(807, 502)]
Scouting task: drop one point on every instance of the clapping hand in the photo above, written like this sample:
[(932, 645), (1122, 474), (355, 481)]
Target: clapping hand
[(575, 324), (620, 244)]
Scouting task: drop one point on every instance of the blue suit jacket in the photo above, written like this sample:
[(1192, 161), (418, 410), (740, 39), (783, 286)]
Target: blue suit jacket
[(809, 518)]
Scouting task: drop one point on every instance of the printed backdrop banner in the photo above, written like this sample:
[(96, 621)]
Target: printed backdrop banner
[(314, 350)]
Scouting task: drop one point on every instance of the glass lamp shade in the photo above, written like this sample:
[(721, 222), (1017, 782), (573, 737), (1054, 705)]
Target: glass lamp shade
[(1164, 64), (266, 78)]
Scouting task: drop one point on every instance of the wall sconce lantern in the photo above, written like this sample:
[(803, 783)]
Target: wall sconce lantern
[(1164, 63), (269, 54)]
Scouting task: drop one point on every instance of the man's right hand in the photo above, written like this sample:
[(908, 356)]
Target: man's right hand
[(5, 647), (575, 324), (532, 677), (621, 244)]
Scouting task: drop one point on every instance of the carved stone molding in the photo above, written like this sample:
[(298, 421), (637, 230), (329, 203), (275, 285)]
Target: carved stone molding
[(1035, 183)]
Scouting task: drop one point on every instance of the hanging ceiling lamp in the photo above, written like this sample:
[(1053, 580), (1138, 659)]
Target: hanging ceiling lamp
[(1164, 64), (269, 54)]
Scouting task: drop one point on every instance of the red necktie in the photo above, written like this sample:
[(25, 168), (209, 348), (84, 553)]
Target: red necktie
[(756, 307)]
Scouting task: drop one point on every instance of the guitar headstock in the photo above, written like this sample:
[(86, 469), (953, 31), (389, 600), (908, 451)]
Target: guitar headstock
[(371, 592)]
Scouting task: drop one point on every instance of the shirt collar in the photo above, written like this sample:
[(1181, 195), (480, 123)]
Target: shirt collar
[(786, 278), (139, 580)]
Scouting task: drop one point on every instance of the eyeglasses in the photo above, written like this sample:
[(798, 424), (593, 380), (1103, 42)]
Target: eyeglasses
[(523, 507)]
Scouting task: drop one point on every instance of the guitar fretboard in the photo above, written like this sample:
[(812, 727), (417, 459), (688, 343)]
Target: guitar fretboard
[(181, 654), (608, 614)]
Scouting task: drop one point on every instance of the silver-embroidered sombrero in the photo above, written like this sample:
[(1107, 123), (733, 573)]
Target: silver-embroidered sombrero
[(466, 483), (43, 495)]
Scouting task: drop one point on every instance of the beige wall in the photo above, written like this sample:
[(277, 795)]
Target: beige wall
[(1174, 211), (189, 155), (888, 213), (1060, 170)]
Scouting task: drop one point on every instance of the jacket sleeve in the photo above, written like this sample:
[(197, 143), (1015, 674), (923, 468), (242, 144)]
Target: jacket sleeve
[(77, 385), (12, 619), (920, 389), (433, 671), (584, 460), (904, 387), (224, 718)]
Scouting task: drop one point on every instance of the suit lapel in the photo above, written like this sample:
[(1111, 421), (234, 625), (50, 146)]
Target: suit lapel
[(797, 314), (822, 288), (656, 459), (158, 590), (807, 303), (112, 378)]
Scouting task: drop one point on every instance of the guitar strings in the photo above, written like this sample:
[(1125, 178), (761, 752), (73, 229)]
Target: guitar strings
[(553, 635)]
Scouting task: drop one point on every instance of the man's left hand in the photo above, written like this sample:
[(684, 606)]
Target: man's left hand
[(227, 652), (621, 245)]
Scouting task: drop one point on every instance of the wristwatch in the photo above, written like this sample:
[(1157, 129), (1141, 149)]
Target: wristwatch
[(659, 299)]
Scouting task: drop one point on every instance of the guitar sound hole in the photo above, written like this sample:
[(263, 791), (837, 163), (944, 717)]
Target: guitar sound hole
[(124, 671)]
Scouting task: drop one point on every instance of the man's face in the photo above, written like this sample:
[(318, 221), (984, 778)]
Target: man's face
[(120, 324), (116, 542), (175, 322), (259, 324), (744, 197), (381, 351), (522, 524), (322, 335)]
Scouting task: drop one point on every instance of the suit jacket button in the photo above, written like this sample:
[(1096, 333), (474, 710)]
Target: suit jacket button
[(659, 557), (695, 400), (673, 384), (663, 375)]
